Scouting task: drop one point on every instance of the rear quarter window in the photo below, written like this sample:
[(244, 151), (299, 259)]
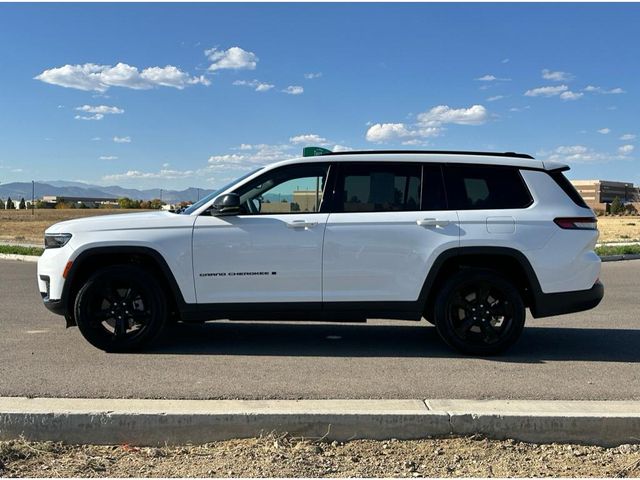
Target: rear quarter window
[(568, 188), (485, 187)]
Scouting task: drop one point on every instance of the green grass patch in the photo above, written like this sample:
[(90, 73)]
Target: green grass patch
[(20, 250), (618, 250)]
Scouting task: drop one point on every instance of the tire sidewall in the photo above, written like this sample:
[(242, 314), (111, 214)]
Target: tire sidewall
[(445, 328), (148, 286)]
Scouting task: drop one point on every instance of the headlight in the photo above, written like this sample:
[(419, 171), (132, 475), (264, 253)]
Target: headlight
[(56, 240)]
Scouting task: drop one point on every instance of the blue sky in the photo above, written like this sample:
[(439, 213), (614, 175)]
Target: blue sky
[(170, 95)]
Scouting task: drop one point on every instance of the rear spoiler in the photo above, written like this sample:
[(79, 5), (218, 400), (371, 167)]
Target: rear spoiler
[(555, 166)]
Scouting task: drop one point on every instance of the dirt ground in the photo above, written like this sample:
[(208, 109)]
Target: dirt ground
[(282, 456), (619, 229), (21, 226)]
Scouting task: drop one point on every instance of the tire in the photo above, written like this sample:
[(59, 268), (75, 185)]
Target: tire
[(479, 312), (121, 308)]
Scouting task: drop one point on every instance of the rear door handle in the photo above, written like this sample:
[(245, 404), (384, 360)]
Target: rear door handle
[(432, 222), (301, 224)]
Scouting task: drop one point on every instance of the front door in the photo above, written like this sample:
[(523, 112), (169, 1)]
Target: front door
[(270, 252)]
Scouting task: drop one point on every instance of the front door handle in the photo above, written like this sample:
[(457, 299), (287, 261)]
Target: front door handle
[(432, 222), (301, 224)]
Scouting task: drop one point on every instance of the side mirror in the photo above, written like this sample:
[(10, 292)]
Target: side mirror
[(228, 204)]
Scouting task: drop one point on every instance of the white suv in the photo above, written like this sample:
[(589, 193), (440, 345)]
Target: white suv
[(466, 240)]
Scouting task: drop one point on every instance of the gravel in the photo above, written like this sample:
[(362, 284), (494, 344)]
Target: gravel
[(284, 456)]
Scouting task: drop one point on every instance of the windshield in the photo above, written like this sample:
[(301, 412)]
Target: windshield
[(213, 195)]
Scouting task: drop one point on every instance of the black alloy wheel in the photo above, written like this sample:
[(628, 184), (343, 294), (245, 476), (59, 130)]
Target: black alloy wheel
[(121, 308), (479, 312)]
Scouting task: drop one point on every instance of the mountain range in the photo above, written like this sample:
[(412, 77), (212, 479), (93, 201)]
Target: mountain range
[(61, 188)]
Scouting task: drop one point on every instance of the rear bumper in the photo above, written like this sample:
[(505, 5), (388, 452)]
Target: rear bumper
[(548, 304)]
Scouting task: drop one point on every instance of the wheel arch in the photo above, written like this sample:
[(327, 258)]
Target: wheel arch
[(92, 259), (509, 262)]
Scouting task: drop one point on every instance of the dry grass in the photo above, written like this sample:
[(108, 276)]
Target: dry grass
[(619, 229), (21, 226), (283, 456)]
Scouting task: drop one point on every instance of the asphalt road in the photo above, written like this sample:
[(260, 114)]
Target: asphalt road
[(591, 355)]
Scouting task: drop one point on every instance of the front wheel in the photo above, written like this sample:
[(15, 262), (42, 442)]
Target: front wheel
[(121, 308), (479, 312)]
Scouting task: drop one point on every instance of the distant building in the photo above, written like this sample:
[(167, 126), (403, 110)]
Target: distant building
[(598, 194), (89, 202)]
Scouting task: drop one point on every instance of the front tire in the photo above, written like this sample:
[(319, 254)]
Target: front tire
[(479, 312), (121, 309)]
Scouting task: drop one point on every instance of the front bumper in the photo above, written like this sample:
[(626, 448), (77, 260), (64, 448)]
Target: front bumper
[(54, 306), (549, 304)]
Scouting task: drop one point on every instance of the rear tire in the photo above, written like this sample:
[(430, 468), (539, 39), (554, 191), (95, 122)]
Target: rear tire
[(479, 312), (121, 308)]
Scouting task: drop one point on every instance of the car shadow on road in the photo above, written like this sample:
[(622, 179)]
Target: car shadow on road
[(537, 345)]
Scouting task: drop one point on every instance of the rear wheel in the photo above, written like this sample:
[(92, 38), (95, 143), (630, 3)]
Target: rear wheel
[(121, 308), (479, 312)]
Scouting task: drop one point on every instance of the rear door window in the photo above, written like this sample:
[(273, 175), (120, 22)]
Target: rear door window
[(485, 187), (379, 187)]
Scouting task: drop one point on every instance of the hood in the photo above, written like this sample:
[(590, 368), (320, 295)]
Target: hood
[(124, 221)]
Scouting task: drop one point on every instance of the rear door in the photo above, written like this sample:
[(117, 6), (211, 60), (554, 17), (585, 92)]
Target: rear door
[(388, 223)]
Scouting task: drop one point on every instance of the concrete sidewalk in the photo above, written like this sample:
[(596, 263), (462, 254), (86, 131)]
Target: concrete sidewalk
[(156, 422)]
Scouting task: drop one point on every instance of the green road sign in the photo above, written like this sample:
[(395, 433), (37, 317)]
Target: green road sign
[(314, 151)]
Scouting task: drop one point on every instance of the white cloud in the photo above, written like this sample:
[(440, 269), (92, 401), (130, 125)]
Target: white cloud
[(474, 115), (234, 58), (626, 149), (108, 157), (101, 109), (604, 131), (569, 95), (341, 148), (257, 155), (255, 84), (100, 78), (311, 76), (505, 60), (604, 91), (546, 91), (583, 154), (96, 139), (294, 90), (385, 132), (492, 78), (628, 136), (164, 174), (556, 76), (494, 98), (166, 165), (122, 139), (429, 124), (245, 146), (308, 139), (96, 116)]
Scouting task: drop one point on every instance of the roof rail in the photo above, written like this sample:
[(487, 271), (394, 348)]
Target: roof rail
[(443, 152)]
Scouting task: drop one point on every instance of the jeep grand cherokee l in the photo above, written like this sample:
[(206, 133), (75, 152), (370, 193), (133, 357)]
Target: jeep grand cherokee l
[(465, 240)]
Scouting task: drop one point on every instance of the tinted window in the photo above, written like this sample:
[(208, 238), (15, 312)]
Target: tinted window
[(480, 187), (378, 187), (433, 197), (568, 188), (295, 189)]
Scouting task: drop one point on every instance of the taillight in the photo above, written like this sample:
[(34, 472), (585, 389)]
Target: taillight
[(577, 223)]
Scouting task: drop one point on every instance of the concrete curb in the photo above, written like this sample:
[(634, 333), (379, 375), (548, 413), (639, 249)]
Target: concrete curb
[(20, 258), (156, 422)]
